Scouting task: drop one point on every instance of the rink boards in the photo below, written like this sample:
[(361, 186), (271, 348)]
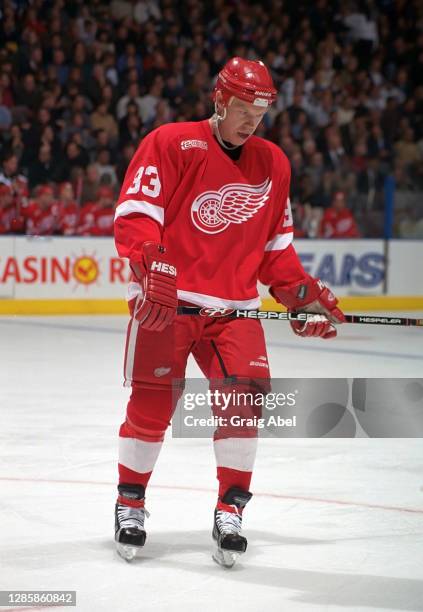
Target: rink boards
[(58, 275)]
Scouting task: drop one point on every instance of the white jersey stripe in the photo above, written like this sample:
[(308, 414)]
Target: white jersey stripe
[(138, 455), (200, 299), (139, 206), (279, 242)]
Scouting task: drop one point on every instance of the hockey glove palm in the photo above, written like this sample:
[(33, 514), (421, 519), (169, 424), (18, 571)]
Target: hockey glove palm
[(156, 308), (311, 296)]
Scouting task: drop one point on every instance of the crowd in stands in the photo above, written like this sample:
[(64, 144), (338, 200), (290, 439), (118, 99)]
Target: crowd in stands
[(82, 82)]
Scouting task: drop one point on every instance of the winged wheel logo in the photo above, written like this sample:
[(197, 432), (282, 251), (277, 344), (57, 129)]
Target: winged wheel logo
[(213, 211)]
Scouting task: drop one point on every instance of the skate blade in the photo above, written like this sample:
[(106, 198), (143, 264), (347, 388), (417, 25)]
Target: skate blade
[(127, 552), (225, 558)]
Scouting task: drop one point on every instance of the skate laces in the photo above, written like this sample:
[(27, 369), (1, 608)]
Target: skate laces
[(229, 522), (131, 517)]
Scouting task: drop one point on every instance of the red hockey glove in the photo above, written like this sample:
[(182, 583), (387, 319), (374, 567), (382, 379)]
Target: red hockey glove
[(311, 296), (156, 309)]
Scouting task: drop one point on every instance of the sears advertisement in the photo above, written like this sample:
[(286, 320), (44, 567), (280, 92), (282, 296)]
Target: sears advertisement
[(350, 267)]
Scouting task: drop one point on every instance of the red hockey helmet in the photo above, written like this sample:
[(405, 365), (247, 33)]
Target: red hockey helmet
[(247, 80)]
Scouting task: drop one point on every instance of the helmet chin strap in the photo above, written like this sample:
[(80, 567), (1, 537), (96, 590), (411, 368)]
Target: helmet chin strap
[(215, 123)]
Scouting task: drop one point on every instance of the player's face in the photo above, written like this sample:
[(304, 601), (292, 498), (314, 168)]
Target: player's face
[(242, 119)]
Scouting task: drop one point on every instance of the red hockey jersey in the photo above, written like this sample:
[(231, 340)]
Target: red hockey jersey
[(11, 221), (41, 221), (338, 224), (96, 220), (68, 218), (225, 224)]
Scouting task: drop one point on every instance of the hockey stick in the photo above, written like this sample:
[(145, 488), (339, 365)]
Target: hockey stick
[(233, 313)]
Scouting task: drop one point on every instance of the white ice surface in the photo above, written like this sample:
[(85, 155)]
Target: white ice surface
[(335, 524)]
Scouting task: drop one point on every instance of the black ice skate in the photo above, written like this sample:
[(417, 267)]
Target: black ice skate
[(129, 521), (227, 526)]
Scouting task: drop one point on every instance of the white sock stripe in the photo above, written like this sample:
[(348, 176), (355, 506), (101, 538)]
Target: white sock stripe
[(137, 455), (236, 453)]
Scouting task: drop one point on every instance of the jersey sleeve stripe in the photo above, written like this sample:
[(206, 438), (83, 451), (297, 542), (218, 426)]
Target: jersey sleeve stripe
[(279, 242), (129, 207)]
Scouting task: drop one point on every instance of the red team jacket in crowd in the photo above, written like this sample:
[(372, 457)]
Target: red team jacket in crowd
[(39, 221), (96, 220), (338, 224), (225, 224), (11, 221), (68, 218)]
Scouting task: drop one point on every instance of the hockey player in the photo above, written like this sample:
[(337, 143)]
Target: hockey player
[(203, 214)]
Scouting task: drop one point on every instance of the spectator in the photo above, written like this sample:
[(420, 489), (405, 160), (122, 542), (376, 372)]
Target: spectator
[(68, 210), (335, 152), (95, 84), (130, 58), (407, 149), (106, 170), (5, 115), (11, 220), (370, 185), (42, 213), (411, 224), (97, 217), (9, 172), (60, 66), (75, 157), (101, 119), (130, 129), (16, 143), (6, 92), (127, 154), (315, 169), (132, 96), (312, 216), (28, 94), (102, 141), (377, 145), (44, 169), (145, 10), (338, 221), (90, 184)]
